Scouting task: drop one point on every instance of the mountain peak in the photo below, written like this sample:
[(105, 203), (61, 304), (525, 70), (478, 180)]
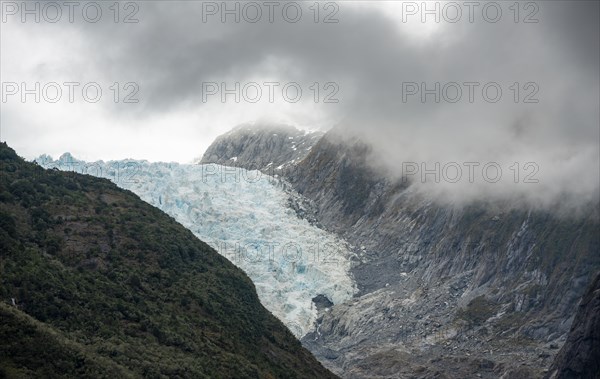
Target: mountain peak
[(265, 147)]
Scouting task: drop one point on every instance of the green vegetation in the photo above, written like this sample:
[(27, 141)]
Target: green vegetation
[(31, 348), (106, 285)]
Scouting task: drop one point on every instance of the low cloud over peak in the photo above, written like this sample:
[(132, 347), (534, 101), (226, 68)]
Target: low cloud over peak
[(516, 87)]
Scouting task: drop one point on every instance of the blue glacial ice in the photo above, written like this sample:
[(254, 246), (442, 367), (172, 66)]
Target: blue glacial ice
[(245, 216)]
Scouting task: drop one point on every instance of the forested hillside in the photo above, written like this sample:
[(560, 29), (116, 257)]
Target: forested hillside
[(96, 283)]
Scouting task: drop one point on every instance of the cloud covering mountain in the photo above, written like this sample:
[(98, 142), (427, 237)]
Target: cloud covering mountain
[(377, 67)]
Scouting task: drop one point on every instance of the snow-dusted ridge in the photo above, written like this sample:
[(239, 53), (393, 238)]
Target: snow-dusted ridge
[(244, 215)]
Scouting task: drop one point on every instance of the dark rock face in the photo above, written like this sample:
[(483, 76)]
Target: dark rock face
[(443, 289), (484, 290), (271, 149), (580, 355), (322, 302)]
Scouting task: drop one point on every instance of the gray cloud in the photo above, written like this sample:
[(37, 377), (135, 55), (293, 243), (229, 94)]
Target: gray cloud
[(171, 52)]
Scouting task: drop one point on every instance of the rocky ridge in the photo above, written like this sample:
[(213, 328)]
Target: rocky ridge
[(273, 149), (484, 290)]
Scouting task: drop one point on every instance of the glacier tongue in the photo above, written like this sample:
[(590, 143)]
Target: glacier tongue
[(244, 216)]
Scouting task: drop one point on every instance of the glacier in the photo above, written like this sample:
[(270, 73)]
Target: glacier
[(245, 216)]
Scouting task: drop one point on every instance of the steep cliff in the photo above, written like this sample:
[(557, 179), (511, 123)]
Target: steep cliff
[(476, 290), (580, 355), (480, 289)]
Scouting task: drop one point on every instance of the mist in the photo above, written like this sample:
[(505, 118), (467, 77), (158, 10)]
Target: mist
[(515, 97)]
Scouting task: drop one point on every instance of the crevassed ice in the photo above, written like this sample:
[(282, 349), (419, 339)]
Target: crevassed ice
[(244, 216)]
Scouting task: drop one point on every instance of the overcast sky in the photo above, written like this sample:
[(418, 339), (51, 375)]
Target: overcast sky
[(364, 56)]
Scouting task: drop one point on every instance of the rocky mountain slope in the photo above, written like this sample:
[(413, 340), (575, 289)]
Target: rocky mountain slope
[(485, 290), (270, 148), (580, 355), (94, 282), (480, 290)]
